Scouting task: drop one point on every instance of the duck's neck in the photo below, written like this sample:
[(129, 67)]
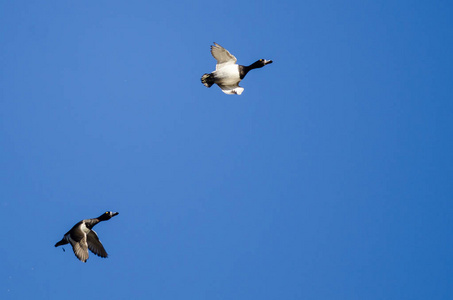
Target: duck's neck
[(91, 222), (243, 70)]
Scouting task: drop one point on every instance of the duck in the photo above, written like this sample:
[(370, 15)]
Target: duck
[(82, 237), (228, 74)]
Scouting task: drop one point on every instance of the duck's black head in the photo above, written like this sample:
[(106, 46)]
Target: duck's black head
[(107, 215), (260, 63)]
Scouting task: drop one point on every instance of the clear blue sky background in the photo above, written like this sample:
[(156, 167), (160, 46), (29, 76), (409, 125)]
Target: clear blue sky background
[(330, 177)]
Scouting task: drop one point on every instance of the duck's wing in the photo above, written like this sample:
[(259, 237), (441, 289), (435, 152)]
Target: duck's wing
[(222, 56), (231, 89), (78, 240), (80, 248), (95, 245)]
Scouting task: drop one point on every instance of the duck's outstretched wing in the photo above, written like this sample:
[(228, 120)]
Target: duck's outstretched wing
[(231, 89), (95, 245), (80, 248), (222, 56)]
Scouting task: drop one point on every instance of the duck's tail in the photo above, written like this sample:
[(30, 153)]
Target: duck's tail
[(207, 80), (62, 242)]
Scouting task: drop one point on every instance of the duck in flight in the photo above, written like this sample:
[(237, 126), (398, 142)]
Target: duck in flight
[(82, 237), (228, 74)]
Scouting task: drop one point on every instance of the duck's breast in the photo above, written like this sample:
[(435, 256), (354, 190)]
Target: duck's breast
[(227, 75)]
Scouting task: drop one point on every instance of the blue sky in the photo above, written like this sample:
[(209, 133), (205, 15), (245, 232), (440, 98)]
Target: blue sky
[(328, 178)]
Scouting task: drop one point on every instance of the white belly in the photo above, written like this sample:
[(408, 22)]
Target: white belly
[(227, 75)]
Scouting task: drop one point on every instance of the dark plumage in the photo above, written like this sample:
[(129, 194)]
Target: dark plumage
[(228, 74), (82, 237)]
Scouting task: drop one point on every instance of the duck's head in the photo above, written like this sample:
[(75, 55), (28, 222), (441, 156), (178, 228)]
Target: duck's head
[(261, 63), (107, 215)]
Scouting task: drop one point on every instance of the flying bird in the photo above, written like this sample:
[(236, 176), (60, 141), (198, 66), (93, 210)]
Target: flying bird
[(82, 237), (228, 74)]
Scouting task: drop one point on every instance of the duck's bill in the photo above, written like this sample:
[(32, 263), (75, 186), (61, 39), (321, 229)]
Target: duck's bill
[(115, 213), (266, 62)]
